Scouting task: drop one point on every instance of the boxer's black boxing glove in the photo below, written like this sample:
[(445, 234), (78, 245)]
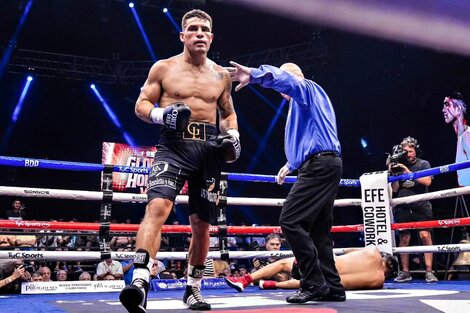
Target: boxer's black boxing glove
[(229, 145), (175, 116)]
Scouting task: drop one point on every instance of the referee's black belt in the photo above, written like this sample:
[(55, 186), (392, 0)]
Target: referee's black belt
[(324, 154)]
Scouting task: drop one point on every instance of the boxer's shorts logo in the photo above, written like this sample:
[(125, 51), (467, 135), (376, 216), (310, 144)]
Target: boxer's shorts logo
[(159, 168), (210, 184)]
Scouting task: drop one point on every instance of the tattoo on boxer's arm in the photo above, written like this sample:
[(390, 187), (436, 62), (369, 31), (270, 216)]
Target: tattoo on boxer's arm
[(228, 117)]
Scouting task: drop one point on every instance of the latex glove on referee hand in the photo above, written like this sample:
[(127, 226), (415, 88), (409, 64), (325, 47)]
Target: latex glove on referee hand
[(229, 145), (282, 174), (239, 73), (175, 116)]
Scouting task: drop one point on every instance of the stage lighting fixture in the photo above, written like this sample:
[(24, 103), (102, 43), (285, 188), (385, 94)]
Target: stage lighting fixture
[(19, 105), (113, 116), (143, 33), (364, 143), (172, 20)]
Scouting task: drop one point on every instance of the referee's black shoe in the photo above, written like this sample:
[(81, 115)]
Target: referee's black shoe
[(322, 293)]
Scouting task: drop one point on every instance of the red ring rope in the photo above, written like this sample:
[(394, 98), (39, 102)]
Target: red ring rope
[(232, 230)]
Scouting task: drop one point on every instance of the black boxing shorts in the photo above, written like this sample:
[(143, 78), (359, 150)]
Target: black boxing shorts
[(188, 156)]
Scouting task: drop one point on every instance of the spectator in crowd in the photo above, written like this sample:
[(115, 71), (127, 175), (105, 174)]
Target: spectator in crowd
[(165, 244), (48, 239), (109, 269), (127, 270), (177, 242), (166, 275), (219, 267), (61, 275), (6, 241), (26, 241), (17, 212), (36, 277), (226, 273), (273, 243), (235, 273), (84, 276), (46, 273), (120, 242), (242, 269), (127, 265), (157, 268)]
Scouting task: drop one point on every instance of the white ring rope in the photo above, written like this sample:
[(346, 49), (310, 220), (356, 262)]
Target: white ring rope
[(447, 193), (96, 255), (141, 198)]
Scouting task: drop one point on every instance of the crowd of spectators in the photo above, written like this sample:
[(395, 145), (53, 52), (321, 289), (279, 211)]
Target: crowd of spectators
[(14, 272)]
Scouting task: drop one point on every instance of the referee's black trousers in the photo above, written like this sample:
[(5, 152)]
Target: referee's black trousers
[(307, 217)]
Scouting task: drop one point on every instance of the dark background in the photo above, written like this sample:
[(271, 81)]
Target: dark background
[(381, 91)]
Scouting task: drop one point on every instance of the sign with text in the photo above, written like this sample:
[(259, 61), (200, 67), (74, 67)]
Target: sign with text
[(123, 154), (78, 286), (375, 195)]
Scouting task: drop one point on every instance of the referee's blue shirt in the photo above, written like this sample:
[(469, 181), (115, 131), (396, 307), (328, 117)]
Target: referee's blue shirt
[(311, 121)]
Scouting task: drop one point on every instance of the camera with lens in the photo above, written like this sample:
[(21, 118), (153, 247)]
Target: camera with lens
[(398, 156), (27, 266), (254, 245)]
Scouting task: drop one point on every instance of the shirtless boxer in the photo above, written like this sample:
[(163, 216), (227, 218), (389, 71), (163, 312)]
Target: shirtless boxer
[(362, 268), (190, 90)]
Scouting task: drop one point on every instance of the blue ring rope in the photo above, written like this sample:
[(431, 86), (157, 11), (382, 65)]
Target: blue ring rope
[(92, 167)]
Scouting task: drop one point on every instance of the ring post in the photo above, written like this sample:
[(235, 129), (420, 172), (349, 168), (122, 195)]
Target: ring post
[(376, 210), (105, 211), (221, 217)]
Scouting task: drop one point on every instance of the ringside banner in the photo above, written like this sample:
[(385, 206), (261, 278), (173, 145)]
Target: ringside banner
[(79, 286), (125, 155), (375, 195)]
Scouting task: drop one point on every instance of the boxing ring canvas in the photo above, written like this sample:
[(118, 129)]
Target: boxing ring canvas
[(417, 296)]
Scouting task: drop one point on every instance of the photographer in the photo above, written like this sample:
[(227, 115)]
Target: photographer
[(12, 273), (413, 212)]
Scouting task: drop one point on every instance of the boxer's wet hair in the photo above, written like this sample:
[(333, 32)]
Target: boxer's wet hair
[(196, 13), (391, 263)]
